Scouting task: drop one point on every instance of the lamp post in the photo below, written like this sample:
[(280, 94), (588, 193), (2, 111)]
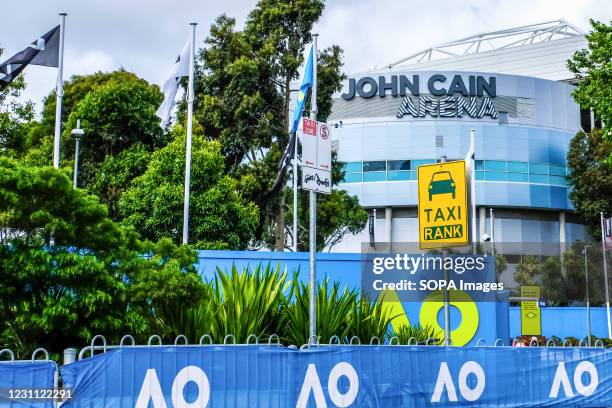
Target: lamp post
[(77, 134), (588, 309)]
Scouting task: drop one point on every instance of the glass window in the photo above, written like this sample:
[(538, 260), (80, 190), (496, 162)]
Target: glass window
[(352, 178), (374, 166), (518, 177), (558, 180), (496, 176), (396, 175), (479, 164), (557, 170), (398, 165), (538, 178), (495, 165), (518, 167), (480, 175), (375, 176), (538, 168), (417, 163), (353, 167)]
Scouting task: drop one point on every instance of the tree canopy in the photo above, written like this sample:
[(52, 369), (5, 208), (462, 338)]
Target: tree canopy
[(219, 216), (593, 69)]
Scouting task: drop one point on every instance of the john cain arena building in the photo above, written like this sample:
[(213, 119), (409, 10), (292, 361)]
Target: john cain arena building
[(513, 88)]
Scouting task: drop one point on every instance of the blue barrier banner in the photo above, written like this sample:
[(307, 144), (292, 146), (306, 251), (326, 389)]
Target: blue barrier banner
[(27, 384), (341, 376)]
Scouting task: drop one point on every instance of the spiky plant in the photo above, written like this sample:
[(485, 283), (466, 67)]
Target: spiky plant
[(334, 306), (418, 332), (370, 319)]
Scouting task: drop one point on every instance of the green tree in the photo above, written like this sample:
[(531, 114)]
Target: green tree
[(590, 177), (219, 216), (526, 270), (553, 282), (592, 67), (68, 272)]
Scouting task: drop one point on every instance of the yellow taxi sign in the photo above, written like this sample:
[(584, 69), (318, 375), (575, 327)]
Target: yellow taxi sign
[(443, 212)]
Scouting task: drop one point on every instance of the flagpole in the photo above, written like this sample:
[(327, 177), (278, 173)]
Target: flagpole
[(59, 93), (603, 247), (189, 130), (473, 189), (313, 207), (295, 194)]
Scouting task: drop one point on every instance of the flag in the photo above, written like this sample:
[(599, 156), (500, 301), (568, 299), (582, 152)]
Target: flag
[(297, 114), (371, 221), (179, 69), (43, 51), (301, 98), (607, 233)]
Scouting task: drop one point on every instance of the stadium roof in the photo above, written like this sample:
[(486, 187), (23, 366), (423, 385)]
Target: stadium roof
[(537, 50)]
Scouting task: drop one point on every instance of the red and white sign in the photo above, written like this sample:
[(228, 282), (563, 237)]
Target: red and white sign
[(316, 156)]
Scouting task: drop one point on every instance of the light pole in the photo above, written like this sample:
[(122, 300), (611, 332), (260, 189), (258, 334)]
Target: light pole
[(588, 309), (77, 134)]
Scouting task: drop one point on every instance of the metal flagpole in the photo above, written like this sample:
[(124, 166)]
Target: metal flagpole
[(603, 247), (59, 93), (295, 194), (473, 190), (446, 294), (313, 206), (189, 129), (492, 220)]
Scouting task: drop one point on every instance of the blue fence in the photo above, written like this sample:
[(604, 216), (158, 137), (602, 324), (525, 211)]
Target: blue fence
[(495, 320), (27, 384), (341, 376)]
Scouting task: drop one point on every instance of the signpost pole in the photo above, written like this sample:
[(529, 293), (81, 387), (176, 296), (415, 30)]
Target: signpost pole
[(605, 265), (446, 294), (588, 306), (313, 207)]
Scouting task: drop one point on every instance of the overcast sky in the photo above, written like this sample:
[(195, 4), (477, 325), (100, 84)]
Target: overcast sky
[(144, 36)]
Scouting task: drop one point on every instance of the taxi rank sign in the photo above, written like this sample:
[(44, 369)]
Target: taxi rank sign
[(443, 212)]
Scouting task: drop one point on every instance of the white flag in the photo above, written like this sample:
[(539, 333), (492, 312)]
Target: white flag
[(179, 69)]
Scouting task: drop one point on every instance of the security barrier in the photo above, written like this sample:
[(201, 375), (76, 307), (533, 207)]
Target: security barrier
[(29, 383), (330, 375)]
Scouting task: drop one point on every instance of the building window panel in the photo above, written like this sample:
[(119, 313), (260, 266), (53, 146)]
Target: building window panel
[(479, 164), (396, 175), (518, 177), (495, 165), (398, 165), (496, 176), (558, 180), (375, 176), (538, 178), (353, 167), (557, 170), (374, 166), (352, 177), (416, 163), (518, 167), (538, 168), (480, 175)]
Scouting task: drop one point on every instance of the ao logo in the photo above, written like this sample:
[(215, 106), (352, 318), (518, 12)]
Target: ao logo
[(151, 389), (313, 384), (445, 380), (561, 379)]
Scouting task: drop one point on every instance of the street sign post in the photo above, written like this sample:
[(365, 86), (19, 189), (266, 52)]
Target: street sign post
[(531, 323), (316, 156), (443, 211)]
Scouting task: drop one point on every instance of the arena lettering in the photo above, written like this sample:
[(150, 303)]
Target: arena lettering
[(151, 390), (399, 85), (312, 384), (445, 382), (562, 380)]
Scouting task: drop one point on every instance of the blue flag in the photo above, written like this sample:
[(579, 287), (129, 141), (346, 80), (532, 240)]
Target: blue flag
[(301, 99)]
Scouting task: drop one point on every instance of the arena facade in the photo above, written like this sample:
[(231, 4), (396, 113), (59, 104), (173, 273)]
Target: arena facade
[(513, 88)]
